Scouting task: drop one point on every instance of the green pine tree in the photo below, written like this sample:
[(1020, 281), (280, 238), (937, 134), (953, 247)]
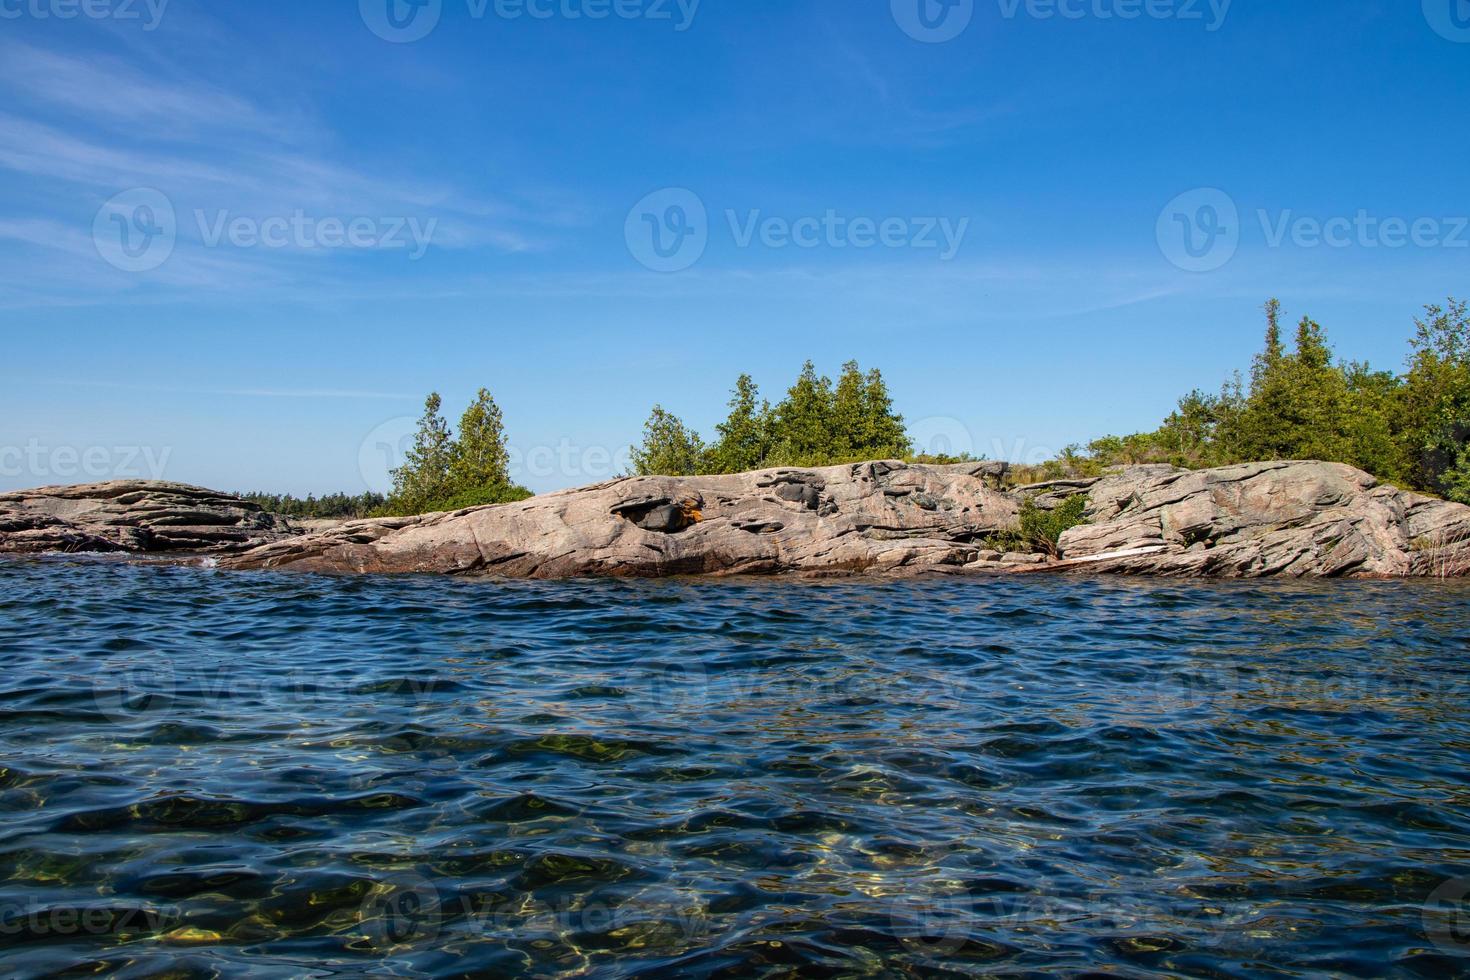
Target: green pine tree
[(480, 460), (669, 448), (745, 435), (884, 432), (424, 475), (849, 423), (803, 421)]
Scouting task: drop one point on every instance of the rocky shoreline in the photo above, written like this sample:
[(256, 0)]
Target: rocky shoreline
[(1292, 519)]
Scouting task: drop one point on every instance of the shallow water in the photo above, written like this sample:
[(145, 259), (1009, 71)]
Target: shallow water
[(252, 774)]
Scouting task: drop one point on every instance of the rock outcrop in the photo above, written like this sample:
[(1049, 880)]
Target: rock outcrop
[(866, 517), (1264, 519), (1290, 519), (134, 516)]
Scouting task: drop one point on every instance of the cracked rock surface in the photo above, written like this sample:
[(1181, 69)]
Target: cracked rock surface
[(134, 516)]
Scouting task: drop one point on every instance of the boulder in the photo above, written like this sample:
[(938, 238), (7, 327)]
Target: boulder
[(134, 516)]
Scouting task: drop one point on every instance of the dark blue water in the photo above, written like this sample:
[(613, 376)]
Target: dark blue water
[(208, 773)]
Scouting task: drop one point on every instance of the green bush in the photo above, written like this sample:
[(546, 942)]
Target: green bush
[(1042, 529)]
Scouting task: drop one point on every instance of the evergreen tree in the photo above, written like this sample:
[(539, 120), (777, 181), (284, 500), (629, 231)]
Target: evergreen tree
[(424, 475), (1270, 356), (1259, 433), (1315, 425), (804, 433), (745, 436), (670, 448), (884, 433), (849, 424), (479, 460)]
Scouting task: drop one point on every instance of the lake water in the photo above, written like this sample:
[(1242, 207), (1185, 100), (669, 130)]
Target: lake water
[(251, 774)]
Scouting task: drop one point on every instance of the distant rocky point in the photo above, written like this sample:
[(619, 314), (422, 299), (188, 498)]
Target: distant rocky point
[(139, 516), (1294, 519)]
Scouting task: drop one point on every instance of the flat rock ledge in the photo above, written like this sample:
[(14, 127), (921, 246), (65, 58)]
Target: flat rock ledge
[(1292, 519), (143, 516)]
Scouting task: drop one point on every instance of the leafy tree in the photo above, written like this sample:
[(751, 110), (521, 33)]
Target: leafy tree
[(479, 459), (745, 435), (670, 448), (1435, 403), (424, 475)]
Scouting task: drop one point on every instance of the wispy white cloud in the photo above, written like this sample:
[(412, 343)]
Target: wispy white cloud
[(102, 125), (242, 392)]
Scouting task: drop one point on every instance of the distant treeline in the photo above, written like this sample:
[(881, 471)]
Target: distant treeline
[(816, 424), (1410, 429), (331, 506)]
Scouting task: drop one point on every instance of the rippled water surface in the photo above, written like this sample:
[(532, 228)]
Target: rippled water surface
[(239, 774)]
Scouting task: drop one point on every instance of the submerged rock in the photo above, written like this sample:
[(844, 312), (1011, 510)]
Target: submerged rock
[(134, 516)]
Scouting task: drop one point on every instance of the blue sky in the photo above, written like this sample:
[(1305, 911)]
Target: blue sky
[(498, 171)]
